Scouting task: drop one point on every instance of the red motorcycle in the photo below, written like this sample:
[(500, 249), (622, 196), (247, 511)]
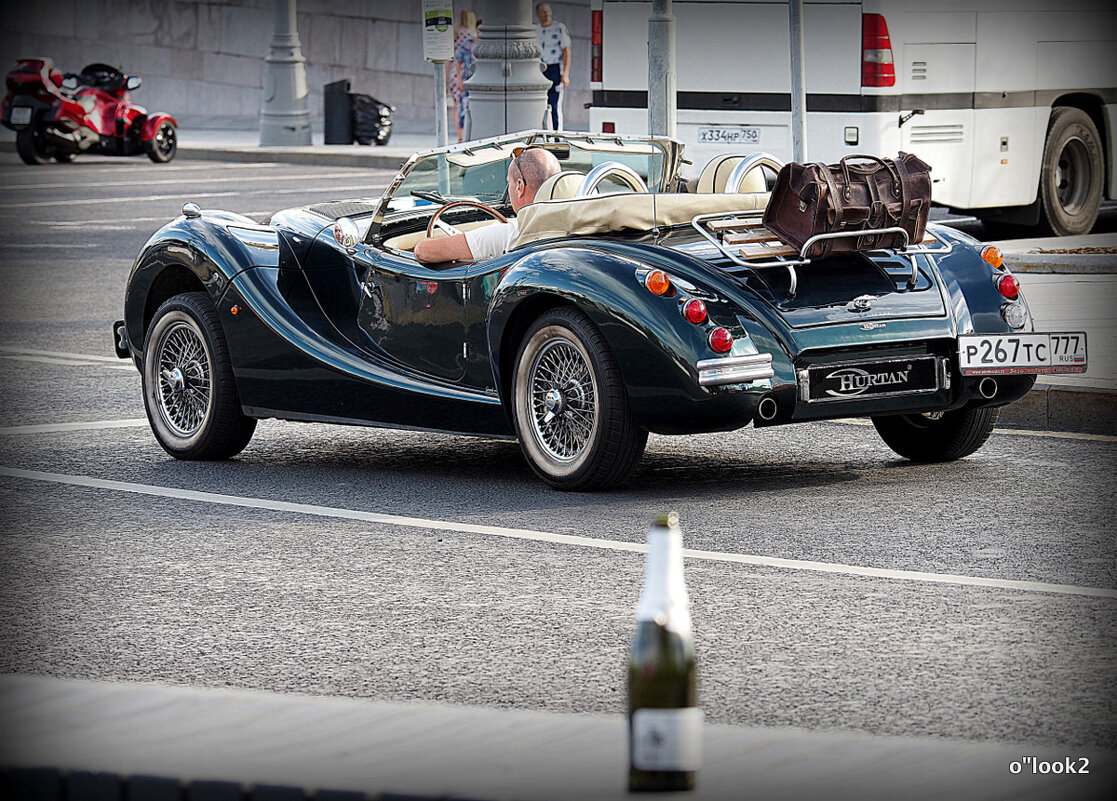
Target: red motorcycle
[(56, 116)]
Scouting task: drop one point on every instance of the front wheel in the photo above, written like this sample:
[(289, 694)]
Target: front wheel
[(570, 406), (189, 391), (937, 436), (164, 144), (31, 145)]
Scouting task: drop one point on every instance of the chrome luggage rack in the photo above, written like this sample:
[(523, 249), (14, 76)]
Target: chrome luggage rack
[(743, 239)]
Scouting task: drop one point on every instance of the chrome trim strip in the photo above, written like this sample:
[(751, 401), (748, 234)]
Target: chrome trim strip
[(735, 369)]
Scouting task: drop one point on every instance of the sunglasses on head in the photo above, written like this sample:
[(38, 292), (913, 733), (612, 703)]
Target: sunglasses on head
[(518, 151)]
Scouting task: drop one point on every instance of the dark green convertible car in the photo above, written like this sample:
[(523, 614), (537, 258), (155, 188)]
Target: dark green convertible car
[(632, 301)]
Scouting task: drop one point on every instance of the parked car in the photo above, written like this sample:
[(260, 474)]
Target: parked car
[(618, 311)]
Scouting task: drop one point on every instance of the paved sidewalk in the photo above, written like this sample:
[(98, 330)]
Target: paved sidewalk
[(426, 751)]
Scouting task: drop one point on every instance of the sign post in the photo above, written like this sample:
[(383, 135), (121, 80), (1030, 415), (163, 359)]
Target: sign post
[(438, 47)]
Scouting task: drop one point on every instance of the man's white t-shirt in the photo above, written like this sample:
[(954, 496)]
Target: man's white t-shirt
[(490, 241)]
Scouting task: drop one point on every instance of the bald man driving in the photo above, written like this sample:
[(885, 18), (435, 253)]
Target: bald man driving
[(526, 174)]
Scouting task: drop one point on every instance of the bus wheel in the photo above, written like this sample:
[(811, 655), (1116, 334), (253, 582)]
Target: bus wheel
[(1070, 181)]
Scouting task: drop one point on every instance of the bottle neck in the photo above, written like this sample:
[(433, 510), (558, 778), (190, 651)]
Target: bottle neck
[(664, 599)]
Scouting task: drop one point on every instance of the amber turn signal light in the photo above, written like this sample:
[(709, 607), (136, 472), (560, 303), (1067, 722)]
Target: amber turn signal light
[(657, 282), (993, 256)]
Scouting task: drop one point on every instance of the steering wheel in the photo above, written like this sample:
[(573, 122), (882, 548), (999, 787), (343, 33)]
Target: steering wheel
[(436, 220)]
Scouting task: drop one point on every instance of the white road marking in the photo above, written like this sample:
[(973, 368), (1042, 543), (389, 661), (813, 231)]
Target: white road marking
[(1012, 432), (334, 190), (60, 354), (93, 425), (65, 362), (544, 536), (207, 180)]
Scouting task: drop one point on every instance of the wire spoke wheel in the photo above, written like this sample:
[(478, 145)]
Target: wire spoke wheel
[(184, 394), (189, 389), (570, 405), (563, 400)]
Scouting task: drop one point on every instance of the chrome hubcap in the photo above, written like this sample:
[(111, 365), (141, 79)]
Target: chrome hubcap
[(563, 401), (184, 391)]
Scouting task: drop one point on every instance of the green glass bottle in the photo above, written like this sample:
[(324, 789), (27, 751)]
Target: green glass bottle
[(664, 721)]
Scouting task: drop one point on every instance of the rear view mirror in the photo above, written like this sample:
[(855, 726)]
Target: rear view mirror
[(133, 82)]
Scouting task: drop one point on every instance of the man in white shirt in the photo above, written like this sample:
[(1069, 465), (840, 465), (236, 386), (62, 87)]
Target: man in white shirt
[(526, 174), (554, 40)]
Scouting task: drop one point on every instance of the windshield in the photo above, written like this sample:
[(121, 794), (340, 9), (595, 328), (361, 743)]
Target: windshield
[(479, 173)]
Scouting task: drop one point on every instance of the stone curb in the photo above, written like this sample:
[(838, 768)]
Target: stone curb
[(1049, 407), (1062, 263), (342, 158)]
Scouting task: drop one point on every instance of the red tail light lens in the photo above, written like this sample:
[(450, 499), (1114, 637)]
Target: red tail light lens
[(1008, 286), (877, 68), (694, 311), (608, 127), (595, 46), (721, 341)]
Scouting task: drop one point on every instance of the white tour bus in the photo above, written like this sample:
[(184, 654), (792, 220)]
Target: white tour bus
[(1010, 101)]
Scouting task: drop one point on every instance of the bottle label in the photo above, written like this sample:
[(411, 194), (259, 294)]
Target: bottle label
[(667, 739)]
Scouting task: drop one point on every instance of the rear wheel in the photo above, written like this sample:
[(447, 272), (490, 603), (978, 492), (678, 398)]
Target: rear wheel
[(32, 146), (164, 144), (1070, 184), (937, 436), (189, 390), (570, 406)]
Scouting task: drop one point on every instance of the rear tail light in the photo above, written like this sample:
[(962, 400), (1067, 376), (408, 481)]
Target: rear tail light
[(608, 127), (1008, 286), (877, 68), (694, 311), (657, 282), (595, 46), (993, 256), (721, 341)]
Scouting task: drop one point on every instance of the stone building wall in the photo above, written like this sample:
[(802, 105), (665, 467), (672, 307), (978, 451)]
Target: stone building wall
[(203, 60)]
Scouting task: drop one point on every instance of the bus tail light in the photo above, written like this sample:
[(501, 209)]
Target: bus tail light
[(877, 68), (595, 46)]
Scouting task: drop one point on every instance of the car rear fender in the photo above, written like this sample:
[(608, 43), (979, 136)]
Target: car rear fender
[(656, 348)]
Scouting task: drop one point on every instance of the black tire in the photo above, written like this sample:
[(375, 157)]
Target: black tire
[(570, 406), (1072, 173), (164, 144), (31, 145), (937, 437), (189, 390)]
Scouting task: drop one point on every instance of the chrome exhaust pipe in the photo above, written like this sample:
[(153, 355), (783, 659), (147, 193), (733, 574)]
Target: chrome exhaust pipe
[(987, 387), (767, 408)]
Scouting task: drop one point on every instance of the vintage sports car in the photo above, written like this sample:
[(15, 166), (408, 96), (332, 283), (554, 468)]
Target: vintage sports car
[(630, 302)]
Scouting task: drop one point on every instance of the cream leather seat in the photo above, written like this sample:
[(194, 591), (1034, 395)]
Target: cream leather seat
[(560, 186), (717, 170)]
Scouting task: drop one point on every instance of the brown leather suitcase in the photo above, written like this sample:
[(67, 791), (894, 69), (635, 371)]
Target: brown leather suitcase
[(811, 199)]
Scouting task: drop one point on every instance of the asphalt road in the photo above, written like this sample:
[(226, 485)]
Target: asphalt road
[(971, 600)]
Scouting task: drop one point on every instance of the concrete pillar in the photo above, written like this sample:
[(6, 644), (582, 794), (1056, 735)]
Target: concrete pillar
[(507, 92), (284, 118), (662, 104)]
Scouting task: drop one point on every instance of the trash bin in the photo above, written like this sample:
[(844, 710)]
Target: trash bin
[(372, 120), (337, 113)]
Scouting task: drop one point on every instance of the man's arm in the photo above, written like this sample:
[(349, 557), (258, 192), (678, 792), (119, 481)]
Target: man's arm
[(443, 248), (566, 66)]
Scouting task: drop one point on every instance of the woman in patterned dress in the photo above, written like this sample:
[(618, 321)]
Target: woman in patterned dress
[(461, 68)]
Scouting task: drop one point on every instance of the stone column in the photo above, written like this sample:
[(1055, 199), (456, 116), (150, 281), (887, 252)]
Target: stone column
[(284, 119), (507, 92)]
